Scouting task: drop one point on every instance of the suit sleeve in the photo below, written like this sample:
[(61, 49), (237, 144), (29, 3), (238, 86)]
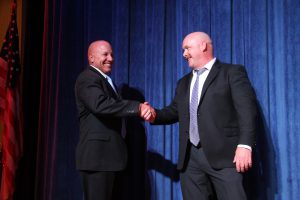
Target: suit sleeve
[(91, 94), (244, 101), (169, 114)]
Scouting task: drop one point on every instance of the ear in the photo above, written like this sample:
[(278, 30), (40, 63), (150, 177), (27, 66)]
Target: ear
[(203, 46), (91, 59)]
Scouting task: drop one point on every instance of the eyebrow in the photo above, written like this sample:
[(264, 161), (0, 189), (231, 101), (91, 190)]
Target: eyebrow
[(185, 46)]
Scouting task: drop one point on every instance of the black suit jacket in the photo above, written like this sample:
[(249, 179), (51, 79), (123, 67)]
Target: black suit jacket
[(101, 146), (227, 114)]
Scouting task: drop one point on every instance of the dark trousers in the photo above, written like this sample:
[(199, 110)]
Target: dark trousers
[(98, 185), (195, 179)]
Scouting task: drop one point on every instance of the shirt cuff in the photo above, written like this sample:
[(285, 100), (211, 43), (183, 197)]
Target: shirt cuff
[(245, 146)]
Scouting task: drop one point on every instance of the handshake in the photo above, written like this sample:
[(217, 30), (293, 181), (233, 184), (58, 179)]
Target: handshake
[(147, 112)]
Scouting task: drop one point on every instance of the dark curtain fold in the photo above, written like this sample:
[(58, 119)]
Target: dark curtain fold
[(146, 36), (32, 45)]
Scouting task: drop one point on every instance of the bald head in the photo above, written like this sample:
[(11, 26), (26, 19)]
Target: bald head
[(199, 36), (100, 55), (198, 49), (96, 45)]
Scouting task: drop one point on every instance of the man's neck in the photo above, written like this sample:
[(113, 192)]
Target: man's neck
[(204, 62)]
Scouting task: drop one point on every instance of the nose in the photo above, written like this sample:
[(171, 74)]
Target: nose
[(110, 57), (185, 53)]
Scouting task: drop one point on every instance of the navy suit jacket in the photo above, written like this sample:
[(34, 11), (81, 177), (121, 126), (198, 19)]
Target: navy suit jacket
[(101, 146), (227, 114)]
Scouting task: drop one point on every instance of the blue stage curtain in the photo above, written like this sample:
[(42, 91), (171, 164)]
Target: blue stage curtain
[(146, 35)]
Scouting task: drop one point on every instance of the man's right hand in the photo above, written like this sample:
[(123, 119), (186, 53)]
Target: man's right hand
[(147, 112)]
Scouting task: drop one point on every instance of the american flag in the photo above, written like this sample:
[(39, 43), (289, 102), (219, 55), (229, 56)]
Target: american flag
[(10, 108)]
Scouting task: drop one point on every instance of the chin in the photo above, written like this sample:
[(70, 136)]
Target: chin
[(108, 70)]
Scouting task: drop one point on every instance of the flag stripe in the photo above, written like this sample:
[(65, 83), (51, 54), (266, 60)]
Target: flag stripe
[(3, 77), (12, 115)]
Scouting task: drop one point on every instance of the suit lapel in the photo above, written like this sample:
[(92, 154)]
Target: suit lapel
[(108, 86), (210, 78), (112, 91), (186, 86)]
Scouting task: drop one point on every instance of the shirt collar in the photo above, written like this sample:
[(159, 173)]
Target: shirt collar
[(105, 76), (208, 65)]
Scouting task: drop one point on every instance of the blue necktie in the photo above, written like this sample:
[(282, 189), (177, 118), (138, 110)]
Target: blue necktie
[(194, 133), (111, 83)]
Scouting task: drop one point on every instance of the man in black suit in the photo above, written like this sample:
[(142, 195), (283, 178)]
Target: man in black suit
[(101, 152), (216, 109)]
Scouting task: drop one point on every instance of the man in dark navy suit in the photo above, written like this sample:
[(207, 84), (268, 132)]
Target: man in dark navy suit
[(101, 152), (215, 106)]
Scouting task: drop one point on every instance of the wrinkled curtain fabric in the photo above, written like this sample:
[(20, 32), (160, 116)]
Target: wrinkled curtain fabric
[(146, 36)]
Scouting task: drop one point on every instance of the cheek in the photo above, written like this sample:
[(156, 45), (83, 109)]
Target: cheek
[(97, 60), (101, 61), (196, 55)]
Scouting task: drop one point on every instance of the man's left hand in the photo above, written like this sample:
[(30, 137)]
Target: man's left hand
[(243, 159)]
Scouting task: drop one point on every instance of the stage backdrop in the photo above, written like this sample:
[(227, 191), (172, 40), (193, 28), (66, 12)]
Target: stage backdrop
[(263, 35)]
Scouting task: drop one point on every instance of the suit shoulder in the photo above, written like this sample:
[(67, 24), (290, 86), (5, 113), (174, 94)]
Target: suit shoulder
[(227, 67), (87, 74), (230, 66), (184, 78)]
